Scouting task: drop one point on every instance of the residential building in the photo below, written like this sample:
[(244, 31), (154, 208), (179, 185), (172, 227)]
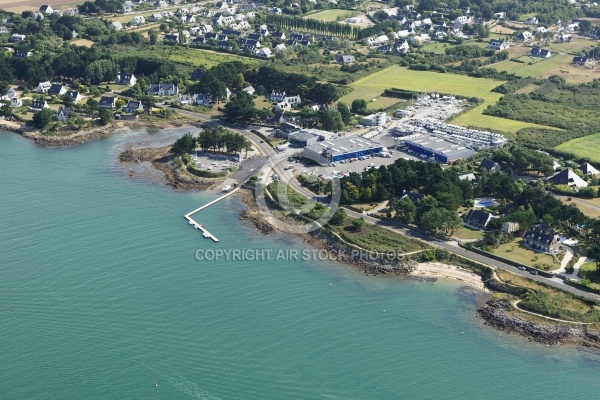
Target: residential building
[(134, 106), (46, 9), (510, 227), (412, 196), (539, 52), (107, 102), (542, 238), (532, 21), (16, 37), (496, 44), (567, 177), (43, 87), (75, 95), (22, 54), (264, 52), (63, 113), (16, 102), (125, 79), (163, 89), (198, 74), (282, 97), (250, 90), (116, 25), (525, 36), (581, 61), (280, 47), (39, 105), (138, 20), (57, 89), (588, 169), (489, 165), (478, 219), (202, 99), (345, 60), (469, 176), (171, 38)]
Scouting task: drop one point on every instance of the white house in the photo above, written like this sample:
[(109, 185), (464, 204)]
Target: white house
[(16, 102), (138, 20), (125, 79), (280, 47), (63, 113), (116, 25), (202, 99), (163, 89), (39, 105), (43, 87), (532, 21), (282, 97), (46, 9), (378, 119), (496, 44), (264, 52), (17, 37)]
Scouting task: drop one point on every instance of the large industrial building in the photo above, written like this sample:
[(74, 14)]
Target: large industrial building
[(438, 149), (338, 149)]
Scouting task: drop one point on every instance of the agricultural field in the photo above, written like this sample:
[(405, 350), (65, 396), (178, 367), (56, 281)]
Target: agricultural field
[(18, 6), (542, 68), (585, 147), (502, 29), (575, 47), (440, 47), (372, 86), (332, 15)]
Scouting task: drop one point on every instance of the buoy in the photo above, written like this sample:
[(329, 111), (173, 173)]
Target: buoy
[(155, 384)]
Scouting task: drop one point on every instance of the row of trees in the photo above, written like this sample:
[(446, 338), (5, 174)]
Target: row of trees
[(311, 25), (214, 139)]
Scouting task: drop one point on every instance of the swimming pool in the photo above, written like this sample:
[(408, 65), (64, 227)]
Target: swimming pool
[(486, 202)]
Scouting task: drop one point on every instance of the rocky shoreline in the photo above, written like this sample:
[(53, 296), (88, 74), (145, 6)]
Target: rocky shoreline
[(499, 314)]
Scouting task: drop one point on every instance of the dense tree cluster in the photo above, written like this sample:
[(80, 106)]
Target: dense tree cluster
[(294, 23)]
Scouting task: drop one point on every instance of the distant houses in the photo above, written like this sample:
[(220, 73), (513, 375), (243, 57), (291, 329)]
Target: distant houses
[(581, 61), (163, 89), (539, 52), (496, 44), (588, 169), (107, 102), (478, 219), (567, 177), (38, 105), (489, 165)]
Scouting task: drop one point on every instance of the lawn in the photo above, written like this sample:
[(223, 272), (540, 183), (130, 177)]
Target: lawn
[(331, 15), (589, 207), (82, 42), (515, 251), (382, 102), (585, 147), (395, 76), (467, 233)]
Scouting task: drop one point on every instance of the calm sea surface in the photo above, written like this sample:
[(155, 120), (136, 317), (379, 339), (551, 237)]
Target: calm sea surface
[(100, 296)]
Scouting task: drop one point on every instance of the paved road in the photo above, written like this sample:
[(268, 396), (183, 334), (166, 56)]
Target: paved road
[(275, 161)]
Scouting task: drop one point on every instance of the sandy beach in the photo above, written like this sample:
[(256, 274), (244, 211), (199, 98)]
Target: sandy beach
[(439, 270)]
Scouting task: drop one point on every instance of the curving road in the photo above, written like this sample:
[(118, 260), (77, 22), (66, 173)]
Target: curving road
[(273, 162)]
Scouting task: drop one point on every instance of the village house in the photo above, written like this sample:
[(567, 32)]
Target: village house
[(133, 106), (171, 38), (63, 113), (250, 90), (138, 20), (22, 54), (107, 102), (588, 169), (581, 61), (490, 165), (345, 60), (43, 87), (542, 238), (57, 90), (539, 52), (567, 177), (414, 197), (75, 95), (16, 37), (264, 52), (163, 89), (478, 219), (16, 102), (496, 44), (469, 176), (282, 97), (38, 105), (532, 21), (46, 9), (125, 79), (116, 25), (525, 36), (202, 99)]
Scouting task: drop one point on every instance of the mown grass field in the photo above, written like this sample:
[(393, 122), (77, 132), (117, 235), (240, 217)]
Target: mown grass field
[(82, 42), (542, 68), (331, 15), (395, 76), (590, 207), (585, 147)]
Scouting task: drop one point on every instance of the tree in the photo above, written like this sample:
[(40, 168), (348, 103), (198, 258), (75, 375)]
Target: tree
[(338, 217), (153, 36), (4, 87), (183, 145), (42, 119), (406, 210), (105, 116), (92, 105), (350, 193), (359, 105), (584, 27), (323, 93), (67, 100), (358, 224), (344, 112), (240, 108)]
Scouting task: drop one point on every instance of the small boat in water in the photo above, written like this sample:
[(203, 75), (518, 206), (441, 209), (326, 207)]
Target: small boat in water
[(226, 188), (155, 384)]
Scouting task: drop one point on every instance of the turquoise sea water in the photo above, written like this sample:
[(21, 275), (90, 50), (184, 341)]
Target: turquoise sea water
[(101, 295)]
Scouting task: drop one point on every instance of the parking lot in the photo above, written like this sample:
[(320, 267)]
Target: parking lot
[(214, 162)]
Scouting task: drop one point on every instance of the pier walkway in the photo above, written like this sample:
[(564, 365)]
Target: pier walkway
[(201, 227)]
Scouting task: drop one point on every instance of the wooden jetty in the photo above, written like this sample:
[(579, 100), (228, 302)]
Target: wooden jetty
[(201, 227)]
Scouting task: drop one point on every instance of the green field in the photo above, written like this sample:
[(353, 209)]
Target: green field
[(331, 15), (585, 147), (189, 56), (395, 76), (538, 67), (515, 251)]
